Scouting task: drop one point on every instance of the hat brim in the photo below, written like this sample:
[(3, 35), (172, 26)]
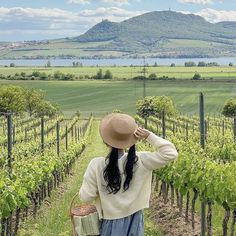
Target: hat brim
[(107, 138)]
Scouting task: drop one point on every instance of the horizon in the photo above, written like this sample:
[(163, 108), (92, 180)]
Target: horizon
[(39, 20)]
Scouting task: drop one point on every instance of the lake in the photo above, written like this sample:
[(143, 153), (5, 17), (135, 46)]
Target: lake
[(119, 62)]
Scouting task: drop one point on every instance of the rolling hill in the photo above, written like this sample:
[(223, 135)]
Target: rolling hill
[(154, 34)]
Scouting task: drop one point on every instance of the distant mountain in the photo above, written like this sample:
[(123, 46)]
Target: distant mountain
[(151, 27), (158, 31), (154, 34), (228, 24)]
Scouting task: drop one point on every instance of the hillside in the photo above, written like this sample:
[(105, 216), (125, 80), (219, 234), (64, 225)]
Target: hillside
[(154, 34)]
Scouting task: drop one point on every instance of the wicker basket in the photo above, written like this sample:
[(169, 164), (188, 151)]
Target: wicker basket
[(85, 215)]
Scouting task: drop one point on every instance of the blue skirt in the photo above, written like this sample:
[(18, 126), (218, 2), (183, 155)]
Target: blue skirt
[(132, 225)]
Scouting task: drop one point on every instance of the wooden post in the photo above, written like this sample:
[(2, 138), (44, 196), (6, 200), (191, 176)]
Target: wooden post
[(14, 135), (223, 127), (145, 122), (76, 136), (66, 137), (9, 143), (186, 130), (42, 134), (25, 134), (163, 124), (235, 129), (72, 132), (58, 138), (202, 142)]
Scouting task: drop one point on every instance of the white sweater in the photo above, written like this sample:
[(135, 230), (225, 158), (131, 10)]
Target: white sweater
[(122, 204)]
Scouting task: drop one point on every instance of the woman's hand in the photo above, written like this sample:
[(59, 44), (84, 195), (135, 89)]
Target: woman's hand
[(141, 133)]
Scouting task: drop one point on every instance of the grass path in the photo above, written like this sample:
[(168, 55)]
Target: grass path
[(53, 219)]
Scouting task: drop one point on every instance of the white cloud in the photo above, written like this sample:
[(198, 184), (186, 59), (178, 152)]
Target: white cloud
[(58, 33), (24, 13), (67, 22), (110, 2), (201, 2), (214, 16), (19, 13), (110, 13), (117, 2), (82, 2)]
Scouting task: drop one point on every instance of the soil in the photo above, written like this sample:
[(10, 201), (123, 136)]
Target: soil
[(169, 220)]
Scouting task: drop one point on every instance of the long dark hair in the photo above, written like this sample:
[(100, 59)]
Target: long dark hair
[(112, 173)]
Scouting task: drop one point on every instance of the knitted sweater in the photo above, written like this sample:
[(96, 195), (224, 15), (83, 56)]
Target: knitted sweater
[(122, 204)]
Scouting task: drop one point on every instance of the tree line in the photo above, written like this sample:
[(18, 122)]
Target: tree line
[(58, 75)]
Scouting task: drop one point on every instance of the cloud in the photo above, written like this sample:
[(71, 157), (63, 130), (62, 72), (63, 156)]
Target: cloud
[(56, 14), (42, 21), (82, 2), (110, 2), (214, 16), (20, 13), (111, 13), (201, 2), (117, 2)]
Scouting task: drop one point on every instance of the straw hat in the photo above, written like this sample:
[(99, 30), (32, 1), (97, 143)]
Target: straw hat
[(117, 130)]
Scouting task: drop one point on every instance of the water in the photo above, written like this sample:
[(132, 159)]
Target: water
[(119, 62)]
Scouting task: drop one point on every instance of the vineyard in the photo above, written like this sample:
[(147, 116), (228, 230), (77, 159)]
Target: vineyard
[(202, 172), (36, 155)]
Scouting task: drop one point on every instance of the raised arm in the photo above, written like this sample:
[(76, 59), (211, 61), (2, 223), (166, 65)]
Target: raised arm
[(165, 150)]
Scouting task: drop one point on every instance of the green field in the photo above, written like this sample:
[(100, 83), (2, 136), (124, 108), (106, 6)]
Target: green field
[(127, 72), (100, 97)]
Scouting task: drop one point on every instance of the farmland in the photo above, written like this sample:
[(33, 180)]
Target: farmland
[(100, 97), (128, 72)]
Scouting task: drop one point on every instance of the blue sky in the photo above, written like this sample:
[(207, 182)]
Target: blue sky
[(48, 19)]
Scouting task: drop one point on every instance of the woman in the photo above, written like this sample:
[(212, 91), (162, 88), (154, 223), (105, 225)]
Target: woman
[(120, 184)]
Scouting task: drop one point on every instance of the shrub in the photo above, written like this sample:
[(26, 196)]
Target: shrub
[(139, 77), (36, 74), (152, 76), (43, 76), (58, 75), (99, 75), (196, 76), (154, 106), (202, 63), (108, 75), (189, 64), (23, 74), (229, 109)]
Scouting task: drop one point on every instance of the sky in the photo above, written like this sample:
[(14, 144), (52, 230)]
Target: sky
[(51, 19)]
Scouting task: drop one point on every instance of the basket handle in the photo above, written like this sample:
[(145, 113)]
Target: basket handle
[(72, 202), (71, 217)]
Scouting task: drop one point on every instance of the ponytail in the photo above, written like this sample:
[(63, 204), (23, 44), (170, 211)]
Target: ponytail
[(112, 174), (131, 160)]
